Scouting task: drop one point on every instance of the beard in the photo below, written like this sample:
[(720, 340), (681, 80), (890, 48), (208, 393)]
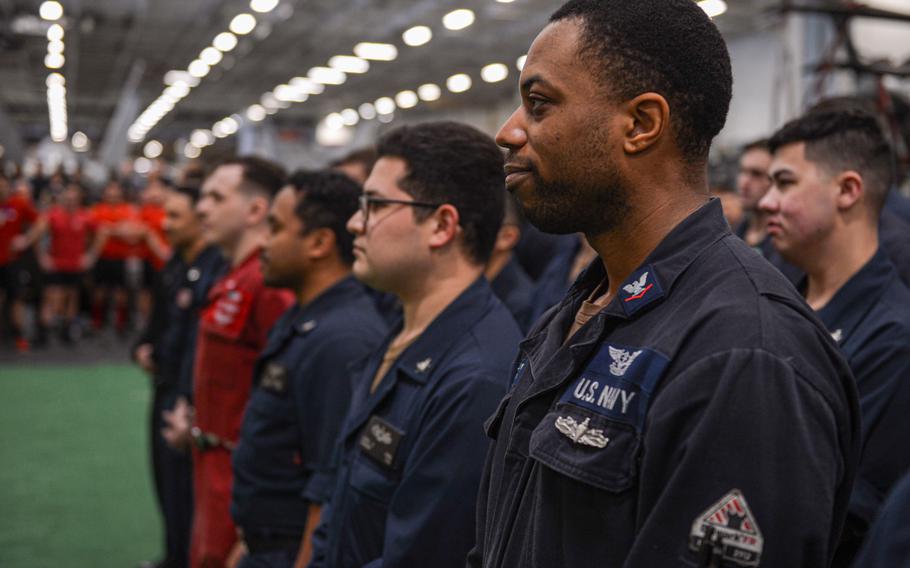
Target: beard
[(586, 206)]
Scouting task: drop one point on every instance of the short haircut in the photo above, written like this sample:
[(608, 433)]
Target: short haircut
[(760, 144), (450, 162), (326, 200), (259, 175), (840, 140), (365, 156), (190, 191), (669, 47)]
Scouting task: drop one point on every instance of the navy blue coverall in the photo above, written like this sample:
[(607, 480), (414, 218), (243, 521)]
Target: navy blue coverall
[(301, 392), (180, 292), (869, 317), (412, 451), (704, 417)]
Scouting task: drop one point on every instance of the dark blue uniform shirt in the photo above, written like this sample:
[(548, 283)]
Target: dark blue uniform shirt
[(705, 411), (869, 317), (301, 393), (514, 288), (182, 290), (888, 543), (412, 452)]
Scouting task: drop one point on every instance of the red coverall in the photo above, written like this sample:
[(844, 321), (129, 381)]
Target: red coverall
[(233, 329)]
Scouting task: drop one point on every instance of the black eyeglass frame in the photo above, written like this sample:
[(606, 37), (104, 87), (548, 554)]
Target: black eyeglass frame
[(364, 201)]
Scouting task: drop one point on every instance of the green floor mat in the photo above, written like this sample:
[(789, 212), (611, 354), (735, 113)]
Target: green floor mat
[(75, 483)]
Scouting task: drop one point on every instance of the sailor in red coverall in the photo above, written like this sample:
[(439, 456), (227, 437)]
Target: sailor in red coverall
[(233, 329)]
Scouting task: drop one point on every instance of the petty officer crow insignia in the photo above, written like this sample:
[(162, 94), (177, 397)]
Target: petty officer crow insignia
[(728, 531)]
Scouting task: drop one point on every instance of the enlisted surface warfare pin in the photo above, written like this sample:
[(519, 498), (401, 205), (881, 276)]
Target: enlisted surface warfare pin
[(732, 530), (581, 433)]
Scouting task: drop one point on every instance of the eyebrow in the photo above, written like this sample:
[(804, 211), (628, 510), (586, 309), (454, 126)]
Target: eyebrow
[(781, 172), (533, 80)]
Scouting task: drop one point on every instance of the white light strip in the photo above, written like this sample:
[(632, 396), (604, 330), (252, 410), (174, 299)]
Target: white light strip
[(180, 83), (55, 82), (299, 89)]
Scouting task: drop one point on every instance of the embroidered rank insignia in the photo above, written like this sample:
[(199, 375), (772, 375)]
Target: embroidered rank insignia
[(618, 383), (729, 528), (379, 440), (622, 359), (582, 433), (274, 378), (641, 289)]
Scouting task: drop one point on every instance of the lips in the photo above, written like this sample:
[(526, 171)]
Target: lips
[(514, 174)]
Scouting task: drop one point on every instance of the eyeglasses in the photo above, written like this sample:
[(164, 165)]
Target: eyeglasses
[(367, 202)]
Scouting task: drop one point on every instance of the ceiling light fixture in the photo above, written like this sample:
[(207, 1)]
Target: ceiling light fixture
[(713, 8), (417, 36), (242, 24), (406, 99), (224, 42), (458, 83), (51, 10), (349, 64), (458, 19), (376, 51), (429, 92), (263, 6), (494, 72)]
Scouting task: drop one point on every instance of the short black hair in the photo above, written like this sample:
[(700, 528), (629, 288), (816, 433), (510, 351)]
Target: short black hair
[(670, 47), (364, 156), (326, 200), (190, 191), (844, 139), (760, 144), (450, 162), (259, 175)]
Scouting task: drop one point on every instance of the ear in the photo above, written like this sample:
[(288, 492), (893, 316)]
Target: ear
[(444, 226), (507, 237), (850, 189), (320, 243), (257, 210), (647, 117)]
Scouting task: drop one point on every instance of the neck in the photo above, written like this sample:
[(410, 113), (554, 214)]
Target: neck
[(624, 249), (190, 252), (498, 260), (434, 293), (249, 241), (319, 281), (833, 262)]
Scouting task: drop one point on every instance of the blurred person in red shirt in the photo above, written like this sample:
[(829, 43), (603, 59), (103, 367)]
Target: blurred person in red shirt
[(118, 222), (233, 330), (16, 213), (68, 253)]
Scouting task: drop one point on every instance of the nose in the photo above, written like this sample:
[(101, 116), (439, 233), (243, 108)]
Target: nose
[(512, 134), (355, 223), (770, 202)]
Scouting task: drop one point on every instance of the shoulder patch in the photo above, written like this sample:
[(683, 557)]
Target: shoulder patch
[(727, 530)]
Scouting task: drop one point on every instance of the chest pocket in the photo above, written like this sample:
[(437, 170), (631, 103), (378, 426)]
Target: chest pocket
[(593, 434)]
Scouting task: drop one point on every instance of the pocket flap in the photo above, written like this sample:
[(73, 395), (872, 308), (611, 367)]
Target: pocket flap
[(588, 447)]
